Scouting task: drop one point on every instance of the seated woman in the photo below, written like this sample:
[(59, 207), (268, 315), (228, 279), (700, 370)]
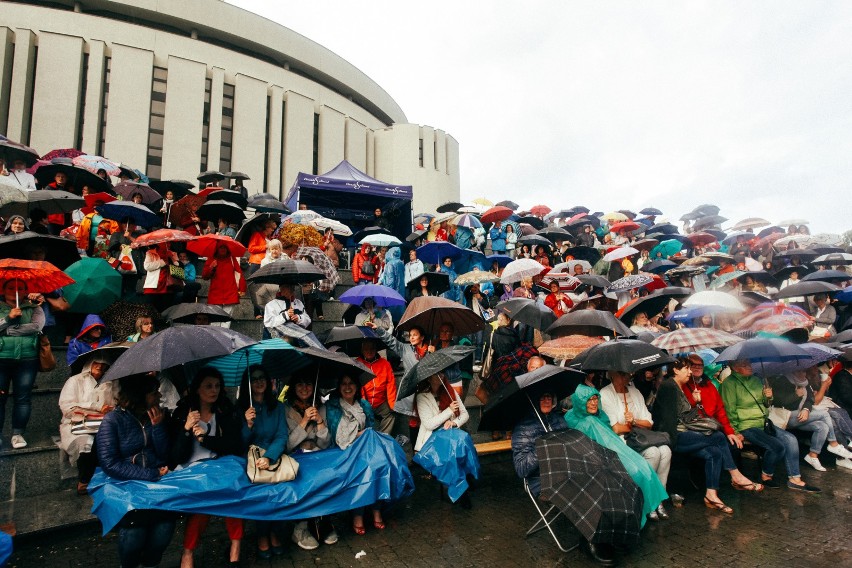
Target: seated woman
[(93, 334), (586, 416), (81, 395), (641, 323), (264, 425), (624, 406), (377, 315), (128, 451), (821, 383), (439, 407), (557, 300), (793, 393), (307, 432), (713, 448), (204, 426), (348, 416), (144, 328)]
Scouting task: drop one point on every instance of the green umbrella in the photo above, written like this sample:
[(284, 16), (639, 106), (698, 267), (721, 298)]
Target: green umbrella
[(96, 285), (666, 249)]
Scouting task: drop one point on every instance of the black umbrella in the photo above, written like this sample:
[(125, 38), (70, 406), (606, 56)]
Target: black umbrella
[(59, 252), (701, 211), (578, 209), (534, 241), (11, 151), (237, 175), (186, 312), (785, 272), (349, 337), (179, 187), (528, 311), (588, 322), (663, 228), (77, 177), (175, 346), (331, 365), (49, 201), (593, 280), (439, 282), (804, 254), (535, 222), (510, 204), (587, 220), (431, 312), (624, 355), (366, 232), (658, 266), (255, 224), (517, 399), (109, 352), (268, 204), (589, 254), (287, 271), (554, 234), (770, 230), (844, 336), (449, 207), (759, 276), (807, 288), (229, 195), (709, 221), (589, 484), (431, 364), (651, 211), (210, 176), (827, 276), (650, 305), (221, 209), (416, 236)]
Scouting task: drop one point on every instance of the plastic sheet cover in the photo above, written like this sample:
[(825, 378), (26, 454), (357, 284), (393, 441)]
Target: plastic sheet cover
[(330, 481), (450, 456)]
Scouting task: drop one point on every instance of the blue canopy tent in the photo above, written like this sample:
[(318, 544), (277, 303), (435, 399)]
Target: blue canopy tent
[(350, 196)]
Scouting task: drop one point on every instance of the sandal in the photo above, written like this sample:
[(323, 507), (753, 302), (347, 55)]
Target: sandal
[(380, 525), (360, 531), (719, 506), (755, 487)]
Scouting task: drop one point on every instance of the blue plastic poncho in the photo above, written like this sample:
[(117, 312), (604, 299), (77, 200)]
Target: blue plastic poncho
[(450, 456), (596, 427)]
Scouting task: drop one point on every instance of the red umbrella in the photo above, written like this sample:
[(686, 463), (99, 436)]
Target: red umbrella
[(70, 153), (161, 236), (540, 210), (497, 213), (208, 190), (207, 245), (39, 276), (624, 226), (96, 199), (701, 238)]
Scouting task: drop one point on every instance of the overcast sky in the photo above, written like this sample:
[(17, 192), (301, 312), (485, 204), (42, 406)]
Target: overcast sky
[(613, 105)]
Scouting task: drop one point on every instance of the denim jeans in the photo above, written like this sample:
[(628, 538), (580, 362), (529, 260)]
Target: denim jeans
[(819, 423), (842, 424), (21, 376), (782, 446), (713, 449), (144, 543)]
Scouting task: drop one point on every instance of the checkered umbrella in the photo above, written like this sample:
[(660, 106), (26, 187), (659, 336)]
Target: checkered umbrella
[(692, 339), (589, 484)]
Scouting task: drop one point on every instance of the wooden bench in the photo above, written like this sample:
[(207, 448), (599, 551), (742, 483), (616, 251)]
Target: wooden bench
[(487, 448)]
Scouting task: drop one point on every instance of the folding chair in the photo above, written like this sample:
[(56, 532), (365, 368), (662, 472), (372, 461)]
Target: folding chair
[(546, 521)]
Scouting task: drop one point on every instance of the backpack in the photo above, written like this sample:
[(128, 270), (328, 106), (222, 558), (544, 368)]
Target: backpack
[(368, 268)]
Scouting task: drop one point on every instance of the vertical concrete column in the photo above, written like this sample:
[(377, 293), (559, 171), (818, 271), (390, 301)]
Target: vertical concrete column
[(273, 150), (371, 153), (21, 88), (129, 109), (214, 137), (298, 130), (183, 128), (248, 152), (56, 100), (93, 110), (7, 56), (427, 134), (441, 145), (332, 134), (355, 151)]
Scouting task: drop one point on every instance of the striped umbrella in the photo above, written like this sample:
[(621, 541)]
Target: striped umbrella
[(467, 220)]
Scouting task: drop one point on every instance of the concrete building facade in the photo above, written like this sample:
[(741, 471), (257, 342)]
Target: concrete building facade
[(177, 87)]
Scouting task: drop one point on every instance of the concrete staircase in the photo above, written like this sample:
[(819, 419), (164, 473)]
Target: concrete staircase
[(33, 498)]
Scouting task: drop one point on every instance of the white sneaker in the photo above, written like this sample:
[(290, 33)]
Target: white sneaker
[(303, 538), (814, 463), (839, 450), (844, 463), (18, 442), (331, 538)]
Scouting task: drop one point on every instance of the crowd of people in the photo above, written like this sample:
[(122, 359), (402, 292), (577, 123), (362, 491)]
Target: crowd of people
[(526, 277)]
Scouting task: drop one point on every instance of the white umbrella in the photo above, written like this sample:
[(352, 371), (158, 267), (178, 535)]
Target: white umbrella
[(441, 217), (752, 264), (380, 240), (801, 240), (570, 266), (751, 223), (302, 217), (619, 253), (714, 298), (830, 239), (522, 268), (338, 228), (797, 222)]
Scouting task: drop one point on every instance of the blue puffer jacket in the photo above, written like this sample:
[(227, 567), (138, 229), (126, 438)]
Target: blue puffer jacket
[(524, 436), (333, 413), (129, 450)]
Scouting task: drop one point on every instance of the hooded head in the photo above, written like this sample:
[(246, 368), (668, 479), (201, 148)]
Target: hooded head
[(365, 248), (579, 412), (92, 321), (12, 219), (394, 253)]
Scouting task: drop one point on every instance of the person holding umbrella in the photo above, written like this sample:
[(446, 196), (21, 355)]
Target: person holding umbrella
[(285, 308), (497, 234), (257, 245), (158, 259), (379, 316), (21, 320), (557, 300), (227, 284)]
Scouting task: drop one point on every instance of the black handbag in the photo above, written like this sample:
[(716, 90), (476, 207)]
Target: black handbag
[(768, 426), (640, 439), (694, 421)]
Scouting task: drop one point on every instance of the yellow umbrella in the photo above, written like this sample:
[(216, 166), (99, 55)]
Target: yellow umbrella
[(614, 217), (484, 202)]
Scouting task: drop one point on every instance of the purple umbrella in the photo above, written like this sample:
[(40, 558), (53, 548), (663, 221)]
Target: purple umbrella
[(381, 295)]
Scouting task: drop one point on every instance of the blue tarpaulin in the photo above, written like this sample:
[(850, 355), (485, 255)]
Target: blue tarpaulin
[(372, 469), (450, 456), (5, 548)]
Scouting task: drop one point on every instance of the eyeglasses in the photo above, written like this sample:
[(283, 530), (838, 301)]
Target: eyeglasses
[(258, 378)]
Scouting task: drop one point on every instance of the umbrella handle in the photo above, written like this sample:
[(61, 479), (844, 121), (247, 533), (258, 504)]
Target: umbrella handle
[(537, 415), (316, 386)]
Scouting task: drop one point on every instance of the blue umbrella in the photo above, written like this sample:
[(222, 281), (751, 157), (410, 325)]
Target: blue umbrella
[(763, 351), (502, 260), (845, 296), (274, 354), (666, 249), (381, 295), (466, 220), (687, 314), (120, 210), (818, 354), (435, 252)]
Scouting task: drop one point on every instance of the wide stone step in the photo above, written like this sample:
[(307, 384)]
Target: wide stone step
[(34, 469), (44, 418), (59, 509)]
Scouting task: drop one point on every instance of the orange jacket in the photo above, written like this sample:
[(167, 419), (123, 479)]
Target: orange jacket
[(383, 387), (256, 247)]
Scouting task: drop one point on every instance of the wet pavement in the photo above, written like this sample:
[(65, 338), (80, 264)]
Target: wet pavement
[(773, 529)]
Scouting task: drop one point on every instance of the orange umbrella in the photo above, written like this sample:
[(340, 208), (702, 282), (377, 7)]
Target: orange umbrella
[(38, 275), (207, 245)]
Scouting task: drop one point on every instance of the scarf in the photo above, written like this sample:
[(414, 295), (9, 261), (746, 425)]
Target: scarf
[(352, 421)]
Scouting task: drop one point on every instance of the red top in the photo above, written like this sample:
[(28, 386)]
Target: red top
[(712, 402), (224, 289), (551, 302)]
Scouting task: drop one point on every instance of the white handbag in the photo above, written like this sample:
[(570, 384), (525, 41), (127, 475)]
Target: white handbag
[(284, 468)]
